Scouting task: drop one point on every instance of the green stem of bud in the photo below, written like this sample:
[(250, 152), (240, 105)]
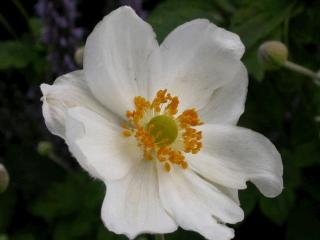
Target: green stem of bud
[(159, 237), (300, 69), (4, 22), (59, 162)]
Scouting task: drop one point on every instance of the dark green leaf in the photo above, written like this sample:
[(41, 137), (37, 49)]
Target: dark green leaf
[(248, 198), (256, 21), (35, 26), (307, 154), (304, 223), (172, 13), (62, 199), (15, 54), (277, 209)]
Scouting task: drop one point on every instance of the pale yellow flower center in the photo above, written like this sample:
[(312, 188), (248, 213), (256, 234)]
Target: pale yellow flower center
[(160, 133)]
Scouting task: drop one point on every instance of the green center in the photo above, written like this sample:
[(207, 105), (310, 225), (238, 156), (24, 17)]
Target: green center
[(164, 129)]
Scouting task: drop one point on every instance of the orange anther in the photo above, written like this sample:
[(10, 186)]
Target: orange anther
[(163, 104), (184, 165), (167, 167), (126, 133)]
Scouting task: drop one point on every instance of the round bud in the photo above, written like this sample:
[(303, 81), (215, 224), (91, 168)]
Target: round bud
[(4, 178), (45, 148), (78, 56), (273, 54)]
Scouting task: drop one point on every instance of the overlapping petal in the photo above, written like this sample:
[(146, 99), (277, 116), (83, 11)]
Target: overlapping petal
[(69, 90), (226, 104), (198, 57), (121, 59), (198, 205), (132, 205), (99, 146), (233, 155)]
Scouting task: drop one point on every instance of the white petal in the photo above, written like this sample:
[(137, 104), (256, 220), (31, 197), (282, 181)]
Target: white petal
[(69, 90), (198, 57), (132, 205), (233, 155), (226, 104), (230, 192), (99, 146), (120, 59), (197, 205)]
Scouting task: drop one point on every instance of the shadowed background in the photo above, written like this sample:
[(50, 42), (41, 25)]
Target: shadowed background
[(50, 197)]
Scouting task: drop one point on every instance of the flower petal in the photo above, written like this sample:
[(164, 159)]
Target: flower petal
[(99, 146), (197, 205), (233, 155), (132, 205), (69, 90), (227, 103), (198, 57), (230, 192), (120, 59)]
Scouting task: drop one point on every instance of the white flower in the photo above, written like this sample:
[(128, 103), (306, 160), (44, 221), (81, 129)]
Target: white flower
[(157, 125)]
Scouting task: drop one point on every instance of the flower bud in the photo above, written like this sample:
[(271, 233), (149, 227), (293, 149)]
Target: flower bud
[(78, 56), (4, 178), (45, 148), (273, 54)]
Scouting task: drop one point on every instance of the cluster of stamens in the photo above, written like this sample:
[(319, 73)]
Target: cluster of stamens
[(160, 133)]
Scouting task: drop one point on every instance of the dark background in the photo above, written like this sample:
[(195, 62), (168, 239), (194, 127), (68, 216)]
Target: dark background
[(50, 197)]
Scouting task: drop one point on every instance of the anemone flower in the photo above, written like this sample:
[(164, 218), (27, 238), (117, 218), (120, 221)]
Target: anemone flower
[(157, 124)]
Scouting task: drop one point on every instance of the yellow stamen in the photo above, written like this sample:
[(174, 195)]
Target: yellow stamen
[(167, 167), (156, 128), (127, 133)]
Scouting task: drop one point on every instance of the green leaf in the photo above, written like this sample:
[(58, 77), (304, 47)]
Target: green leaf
[(277, 209), (307, 154), (7, 206), (73, 228), (292, 174), (256, 21), (35, 26), (15, 54), (63, 199), (310, 183), (304, 223), (248, 198), (226, 5), (23, 236), (104, 234), (72, 206), (171, 13), (183, 234)]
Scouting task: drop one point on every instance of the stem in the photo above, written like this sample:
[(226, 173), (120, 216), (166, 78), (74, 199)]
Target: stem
[(59, 162), (159, 237), (23, 12), (21, 9), (300, 69), (7, 26)]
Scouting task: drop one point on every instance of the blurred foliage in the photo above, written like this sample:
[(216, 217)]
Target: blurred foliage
[(46, 202)]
